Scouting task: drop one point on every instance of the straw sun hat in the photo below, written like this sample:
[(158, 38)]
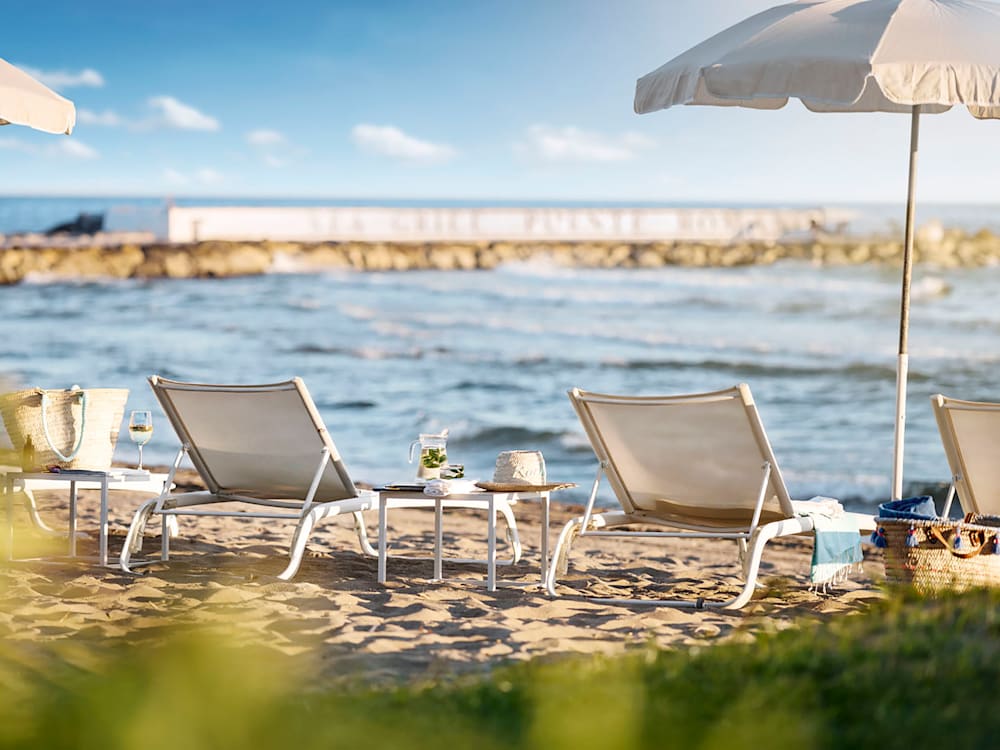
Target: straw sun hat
[(520, 471)]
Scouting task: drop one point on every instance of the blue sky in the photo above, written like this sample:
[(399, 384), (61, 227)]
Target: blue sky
[(515, 100)]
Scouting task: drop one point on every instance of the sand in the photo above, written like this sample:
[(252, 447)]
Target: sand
[(221, 577)]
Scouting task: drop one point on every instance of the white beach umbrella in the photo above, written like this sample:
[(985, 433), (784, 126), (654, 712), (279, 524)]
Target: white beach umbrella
[(25, 101), (912, 56)]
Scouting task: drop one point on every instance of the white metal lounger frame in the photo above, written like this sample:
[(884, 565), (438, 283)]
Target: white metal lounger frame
[(751, 538), (306, 511), (977, 492)]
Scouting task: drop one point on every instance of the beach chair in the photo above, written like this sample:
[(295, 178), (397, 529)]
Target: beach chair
[(263, 452), (699, 464), (970, 434)]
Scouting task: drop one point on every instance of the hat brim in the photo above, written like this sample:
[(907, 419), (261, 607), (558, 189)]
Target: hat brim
[(517, 487)]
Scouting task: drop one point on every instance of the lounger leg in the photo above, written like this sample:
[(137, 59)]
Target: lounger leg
[(752, 565), (754, 553), (560, 556), (133, 539), (298, 545), (948, 501), (491, 544), (362, 530), (33, 515), (512, 536)]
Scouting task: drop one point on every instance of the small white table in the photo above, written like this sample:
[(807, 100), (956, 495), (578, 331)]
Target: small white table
[(77, 480), (483, 500)]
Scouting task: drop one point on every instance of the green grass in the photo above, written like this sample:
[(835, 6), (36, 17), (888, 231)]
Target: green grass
[(909, 673)]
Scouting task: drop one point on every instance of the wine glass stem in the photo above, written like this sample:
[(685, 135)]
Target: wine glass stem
[(140, 456)]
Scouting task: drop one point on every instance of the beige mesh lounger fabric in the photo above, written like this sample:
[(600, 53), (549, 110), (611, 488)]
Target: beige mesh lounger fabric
[(698, 463), (970, 434), (262, 452)]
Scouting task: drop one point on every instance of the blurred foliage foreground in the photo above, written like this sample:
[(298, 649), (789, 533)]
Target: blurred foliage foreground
[(908, 673)]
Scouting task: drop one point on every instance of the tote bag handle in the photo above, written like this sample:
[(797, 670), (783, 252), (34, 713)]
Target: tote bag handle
[(83, 424)]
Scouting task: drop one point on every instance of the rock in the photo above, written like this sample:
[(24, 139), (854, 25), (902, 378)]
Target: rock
[(648, 259), (941, 247), (930, 233), (178, 265)]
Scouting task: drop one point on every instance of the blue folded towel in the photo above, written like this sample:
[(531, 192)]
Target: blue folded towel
[(920, 508), (837, 540)]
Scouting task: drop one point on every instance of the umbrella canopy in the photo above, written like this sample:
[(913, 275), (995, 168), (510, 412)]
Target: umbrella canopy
[(908, 56), (25, 101)]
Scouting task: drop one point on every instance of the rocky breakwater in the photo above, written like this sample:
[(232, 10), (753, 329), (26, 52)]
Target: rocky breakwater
[(216, 259)]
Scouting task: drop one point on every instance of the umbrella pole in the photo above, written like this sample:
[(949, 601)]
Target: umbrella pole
[(903, 360)]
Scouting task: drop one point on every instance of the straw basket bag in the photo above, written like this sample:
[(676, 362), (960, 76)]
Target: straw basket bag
[(72, 429), (936, 555)]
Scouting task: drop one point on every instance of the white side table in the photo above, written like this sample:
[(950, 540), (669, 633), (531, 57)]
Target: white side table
[(77, 480), (484, 500)]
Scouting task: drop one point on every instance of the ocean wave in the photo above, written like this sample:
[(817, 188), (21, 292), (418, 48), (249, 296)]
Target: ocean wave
[(362, 352), (346, 405), (853, 370), (304, 303), (484, 385), (507, 437), (930, 287), (357, 312), (540, 266)]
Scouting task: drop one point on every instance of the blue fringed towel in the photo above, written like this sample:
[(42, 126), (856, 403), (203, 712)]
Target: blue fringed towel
[(837, 546)]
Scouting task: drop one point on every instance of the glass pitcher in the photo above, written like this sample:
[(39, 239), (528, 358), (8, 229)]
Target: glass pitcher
[(433, 454)]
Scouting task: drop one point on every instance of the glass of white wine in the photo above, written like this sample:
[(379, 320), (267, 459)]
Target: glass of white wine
[(140, 430)]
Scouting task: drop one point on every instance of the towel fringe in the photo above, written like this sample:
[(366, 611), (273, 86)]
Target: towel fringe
[(838, 578)]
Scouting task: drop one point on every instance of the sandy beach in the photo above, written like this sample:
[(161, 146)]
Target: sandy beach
[(221, 578)]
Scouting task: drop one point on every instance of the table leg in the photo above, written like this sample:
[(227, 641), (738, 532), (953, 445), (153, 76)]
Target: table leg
[(438, 539), (72, 519), (9, 493), (382, 547), (491, 544), (32, 506), (103, 535), (545, 537), (165, 536)]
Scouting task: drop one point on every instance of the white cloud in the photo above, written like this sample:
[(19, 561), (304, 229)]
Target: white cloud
[(76, 149), (208, 176), (265, 138), (64, 79), (573, 144), (174, 177), (61, 147), (106, 118), (273, 148), (203, 176), (387, 140), (172, 113)]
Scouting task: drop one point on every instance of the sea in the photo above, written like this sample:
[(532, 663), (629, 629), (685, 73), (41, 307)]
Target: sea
[(489, 355)]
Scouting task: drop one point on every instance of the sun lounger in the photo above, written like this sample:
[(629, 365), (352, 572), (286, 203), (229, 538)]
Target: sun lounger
[(263, 452), (970, 434), (699, 464)]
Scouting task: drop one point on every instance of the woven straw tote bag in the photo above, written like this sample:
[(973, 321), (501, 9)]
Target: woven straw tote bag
[(74, 428), (936, 555)]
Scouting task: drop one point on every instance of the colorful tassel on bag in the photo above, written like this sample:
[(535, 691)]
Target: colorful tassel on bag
[(996, 545), (911, 538), (957, 543), (878, 538)]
